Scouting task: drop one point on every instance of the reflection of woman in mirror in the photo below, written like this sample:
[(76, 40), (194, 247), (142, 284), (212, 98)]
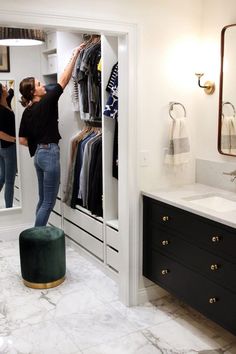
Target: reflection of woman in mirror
[(8, 165), (39, 131)]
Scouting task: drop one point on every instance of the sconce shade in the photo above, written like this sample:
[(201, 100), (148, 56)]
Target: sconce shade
[(21, 36)]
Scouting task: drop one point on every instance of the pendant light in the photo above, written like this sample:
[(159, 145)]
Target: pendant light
[(21, 36)]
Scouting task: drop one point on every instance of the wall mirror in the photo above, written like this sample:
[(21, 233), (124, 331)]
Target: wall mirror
[(10, 195), (227, 95)]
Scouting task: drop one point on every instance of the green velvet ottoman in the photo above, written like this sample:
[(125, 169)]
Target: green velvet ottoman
[(42, 257)]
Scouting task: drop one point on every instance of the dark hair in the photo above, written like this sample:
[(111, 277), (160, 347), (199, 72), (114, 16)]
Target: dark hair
[(0, 90), (26, 88)]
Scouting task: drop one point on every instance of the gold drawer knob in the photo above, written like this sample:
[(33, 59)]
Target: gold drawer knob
[(212, 300), (164, 271), (165, 242), (215, 239), (165, 218), (214, 267)]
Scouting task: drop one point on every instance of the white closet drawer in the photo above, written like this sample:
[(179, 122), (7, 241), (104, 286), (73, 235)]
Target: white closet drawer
[(16, 193), (52, 63), (57, 206), (113, 238), (55, 220), (84, 239), (113, 258), (16, 203), (51, 41), (17, 181), (84, 221)]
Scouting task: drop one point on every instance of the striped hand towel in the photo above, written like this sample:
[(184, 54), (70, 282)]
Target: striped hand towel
[(179, 148), (228, 135)]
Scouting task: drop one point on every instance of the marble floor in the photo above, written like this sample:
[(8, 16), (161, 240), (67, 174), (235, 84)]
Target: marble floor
[(84, 315)]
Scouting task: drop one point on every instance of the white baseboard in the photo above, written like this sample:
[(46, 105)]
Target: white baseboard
[(150, 293), (12, 232)]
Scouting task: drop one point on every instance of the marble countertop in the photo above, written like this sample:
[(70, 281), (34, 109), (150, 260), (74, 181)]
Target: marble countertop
[(182, 197)]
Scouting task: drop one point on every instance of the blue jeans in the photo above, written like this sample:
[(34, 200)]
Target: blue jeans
[(8, 167), (47, 165)]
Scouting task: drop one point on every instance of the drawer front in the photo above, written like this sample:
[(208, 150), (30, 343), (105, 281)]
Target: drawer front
[(84, 221), (208, 264), (52, 63), (57, 206), (55, 220), (113, 258), (217, 238), (84, 239), (17, 182), (51, 41), (17, 193), (113, 238), (207, 297)]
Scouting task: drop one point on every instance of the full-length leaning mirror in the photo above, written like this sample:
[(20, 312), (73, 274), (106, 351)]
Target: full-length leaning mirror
[(9, 177), (227, 96)]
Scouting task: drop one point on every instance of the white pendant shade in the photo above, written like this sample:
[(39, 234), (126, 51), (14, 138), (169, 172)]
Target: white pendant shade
[(21, 37)]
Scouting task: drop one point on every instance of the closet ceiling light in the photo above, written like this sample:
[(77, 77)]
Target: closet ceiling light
[(21, 36)]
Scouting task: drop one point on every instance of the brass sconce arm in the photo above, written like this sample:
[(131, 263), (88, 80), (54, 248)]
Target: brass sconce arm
[(209, 86)]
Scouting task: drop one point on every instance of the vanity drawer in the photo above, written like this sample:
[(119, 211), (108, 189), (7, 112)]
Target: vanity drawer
[(208, 264), (207, 297), (215, 237)]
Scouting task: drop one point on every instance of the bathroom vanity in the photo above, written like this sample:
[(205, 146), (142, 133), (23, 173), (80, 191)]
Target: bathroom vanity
[(189, 248)]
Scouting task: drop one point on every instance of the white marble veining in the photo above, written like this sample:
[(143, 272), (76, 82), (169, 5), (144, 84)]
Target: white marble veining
[(84, 316), (181, 197)]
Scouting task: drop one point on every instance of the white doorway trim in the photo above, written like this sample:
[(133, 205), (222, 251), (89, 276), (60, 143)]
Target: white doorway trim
[(128, 189)]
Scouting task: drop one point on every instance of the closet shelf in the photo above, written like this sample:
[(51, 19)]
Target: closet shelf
[(50, 74), (49, 51), (86, 211)]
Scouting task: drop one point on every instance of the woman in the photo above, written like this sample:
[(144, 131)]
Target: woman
[(8, 165), (39, 131)]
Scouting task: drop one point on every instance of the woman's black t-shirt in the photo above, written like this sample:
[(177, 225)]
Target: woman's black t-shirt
[(39, 122), (7, 125)]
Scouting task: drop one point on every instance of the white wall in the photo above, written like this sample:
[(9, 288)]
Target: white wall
[(23, 62)]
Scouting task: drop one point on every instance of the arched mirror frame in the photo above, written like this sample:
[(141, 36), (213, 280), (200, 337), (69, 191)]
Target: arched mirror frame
[(221, 90)]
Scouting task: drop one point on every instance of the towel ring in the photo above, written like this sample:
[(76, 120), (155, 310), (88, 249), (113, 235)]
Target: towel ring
[(231, 104), (171, 106)]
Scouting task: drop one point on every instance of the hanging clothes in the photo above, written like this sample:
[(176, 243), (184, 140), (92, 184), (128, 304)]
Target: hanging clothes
[(74, 143), (111, 111), (84, 182), (111, 107), (88, 78)]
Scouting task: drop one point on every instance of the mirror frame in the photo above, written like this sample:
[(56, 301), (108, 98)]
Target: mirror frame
[(222, 51), (18, 176)]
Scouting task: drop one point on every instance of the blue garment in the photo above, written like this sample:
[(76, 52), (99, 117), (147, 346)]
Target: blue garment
[(8, 167), (47, 165), (111, 107)]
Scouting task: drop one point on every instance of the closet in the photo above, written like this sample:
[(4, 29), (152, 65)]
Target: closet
[(98, 237)]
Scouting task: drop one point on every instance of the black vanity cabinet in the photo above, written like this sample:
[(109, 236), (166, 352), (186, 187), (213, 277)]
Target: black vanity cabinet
[(193, 258)]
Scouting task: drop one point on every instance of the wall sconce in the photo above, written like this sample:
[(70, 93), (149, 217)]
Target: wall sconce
[(209, 86), (21, 36)]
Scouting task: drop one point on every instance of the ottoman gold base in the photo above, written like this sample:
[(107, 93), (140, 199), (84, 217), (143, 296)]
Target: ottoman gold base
[(52, 284)]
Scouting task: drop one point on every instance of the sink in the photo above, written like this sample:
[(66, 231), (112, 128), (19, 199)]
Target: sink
[(214, 202)]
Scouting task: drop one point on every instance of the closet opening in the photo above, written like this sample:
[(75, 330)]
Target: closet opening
[(105, 238)]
